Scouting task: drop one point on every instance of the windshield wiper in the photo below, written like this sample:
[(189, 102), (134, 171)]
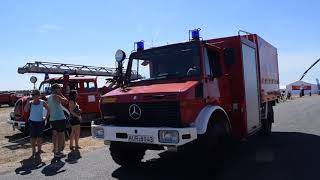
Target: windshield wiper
[(168, 74)]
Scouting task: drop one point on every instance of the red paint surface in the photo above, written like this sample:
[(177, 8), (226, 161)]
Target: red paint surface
[(295, 87), (143, 92), (83, 94), (225, 91), (153, 88), (6, 98)]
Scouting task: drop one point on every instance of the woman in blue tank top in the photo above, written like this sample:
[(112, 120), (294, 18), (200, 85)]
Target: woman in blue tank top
[(57, 119), (36, 121)]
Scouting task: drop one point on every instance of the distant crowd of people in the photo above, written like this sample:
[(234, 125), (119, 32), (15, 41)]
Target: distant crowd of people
[(56, 118)]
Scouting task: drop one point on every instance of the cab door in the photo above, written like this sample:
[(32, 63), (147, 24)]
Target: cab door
[(89, 97), (211, 86), (218, 83)]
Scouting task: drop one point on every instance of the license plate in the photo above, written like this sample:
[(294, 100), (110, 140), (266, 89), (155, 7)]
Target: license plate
[(140, 139)]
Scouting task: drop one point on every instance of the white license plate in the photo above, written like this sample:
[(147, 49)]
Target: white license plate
[(140, 139)]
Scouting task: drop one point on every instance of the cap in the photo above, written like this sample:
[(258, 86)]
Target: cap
[(35, 92), (55, 86)]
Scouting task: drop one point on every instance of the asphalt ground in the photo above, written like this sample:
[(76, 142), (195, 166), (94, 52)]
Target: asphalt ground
[(292, 152)]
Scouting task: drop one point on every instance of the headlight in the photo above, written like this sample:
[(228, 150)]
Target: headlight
[(98, 133), (168, 136)]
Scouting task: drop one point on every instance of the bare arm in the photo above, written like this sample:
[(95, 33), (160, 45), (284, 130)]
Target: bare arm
[(72, 106), (45, 105), (60, 99)]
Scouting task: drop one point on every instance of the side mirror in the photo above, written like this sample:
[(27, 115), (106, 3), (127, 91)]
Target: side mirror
[(229, 56), (33, 79)]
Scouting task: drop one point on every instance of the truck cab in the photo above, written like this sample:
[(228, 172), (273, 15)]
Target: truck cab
[(190, 91), (88, 99), (8, 98), (88, 93)]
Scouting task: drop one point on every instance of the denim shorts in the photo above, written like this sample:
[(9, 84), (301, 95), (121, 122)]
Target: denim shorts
[(58, 125), (36, 128)]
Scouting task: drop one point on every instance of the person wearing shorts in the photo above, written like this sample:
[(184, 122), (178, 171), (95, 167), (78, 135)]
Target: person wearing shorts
[(59, 125), (75, 114), (36, 121), (57, 119)]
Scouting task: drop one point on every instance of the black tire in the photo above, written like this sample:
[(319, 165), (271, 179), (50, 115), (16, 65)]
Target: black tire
[(126, 154), (11, 103), (211, 138), (267, 123), (21, 130), (215, 142)]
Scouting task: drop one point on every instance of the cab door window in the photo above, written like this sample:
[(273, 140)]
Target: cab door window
[(207, 68), (214, 63), (89, 86), (75, 86)]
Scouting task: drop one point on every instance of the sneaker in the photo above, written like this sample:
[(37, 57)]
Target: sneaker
[(40, 151), (61, 154), (57, 155)]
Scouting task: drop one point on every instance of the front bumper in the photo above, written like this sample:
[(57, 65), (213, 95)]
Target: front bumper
[(109, 133), (16, 124)]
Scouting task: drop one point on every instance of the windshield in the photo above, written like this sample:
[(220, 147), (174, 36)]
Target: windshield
[(180, 60), (45, 88), (86, 86)]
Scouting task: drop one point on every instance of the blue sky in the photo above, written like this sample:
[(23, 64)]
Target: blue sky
[(89, 32)]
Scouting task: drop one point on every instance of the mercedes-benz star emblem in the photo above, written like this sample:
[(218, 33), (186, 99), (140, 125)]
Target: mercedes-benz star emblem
[(135, 112)]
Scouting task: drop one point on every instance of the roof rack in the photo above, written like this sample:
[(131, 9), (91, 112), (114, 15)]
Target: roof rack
[(62, 68)]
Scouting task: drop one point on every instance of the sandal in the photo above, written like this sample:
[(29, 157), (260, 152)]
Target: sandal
[(41, 151)]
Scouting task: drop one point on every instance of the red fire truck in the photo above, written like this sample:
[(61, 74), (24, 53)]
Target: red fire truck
[(191, 91), (8, 98), (75, 77)]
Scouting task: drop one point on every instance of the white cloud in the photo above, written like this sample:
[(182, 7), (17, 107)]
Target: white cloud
[(49, 27)]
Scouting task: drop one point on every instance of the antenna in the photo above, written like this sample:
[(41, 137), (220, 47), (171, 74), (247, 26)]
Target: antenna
[(309, 69)]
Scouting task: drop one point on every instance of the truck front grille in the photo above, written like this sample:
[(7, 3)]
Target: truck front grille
[(152, 114)]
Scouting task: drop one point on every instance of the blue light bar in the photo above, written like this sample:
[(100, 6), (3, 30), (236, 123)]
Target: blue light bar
[(140, 45), (195, 34)]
